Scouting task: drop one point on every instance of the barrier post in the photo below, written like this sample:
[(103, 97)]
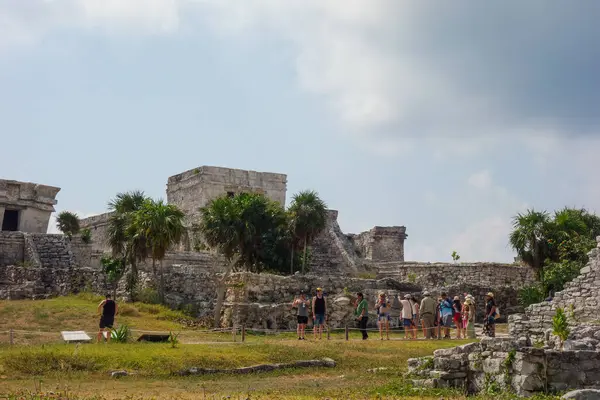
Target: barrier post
[(243, 333), (11, 337), (346, 332), (328, 337), (233, 332)]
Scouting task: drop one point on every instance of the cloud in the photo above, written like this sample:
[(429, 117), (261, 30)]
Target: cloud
[(389, 68), (480, 180)]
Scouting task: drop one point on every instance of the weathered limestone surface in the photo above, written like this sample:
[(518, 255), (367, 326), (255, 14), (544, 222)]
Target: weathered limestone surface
[(264, 301), (381, 243), (443, 274), (507, 364), (580, 299), (98, 226), (33, 202), (12, 247)]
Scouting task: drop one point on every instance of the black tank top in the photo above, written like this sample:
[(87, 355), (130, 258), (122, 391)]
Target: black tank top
[(109, 308), (320, 305)]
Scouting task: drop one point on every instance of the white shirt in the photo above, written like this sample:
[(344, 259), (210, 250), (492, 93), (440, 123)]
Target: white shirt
[(406, 309)]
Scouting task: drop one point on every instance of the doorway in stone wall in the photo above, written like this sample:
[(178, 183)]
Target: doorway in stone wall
[(10, 222)]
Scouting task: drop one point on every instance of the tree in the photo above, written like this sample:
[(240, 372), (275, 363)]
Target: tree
[(309, 215), (125, 240), (455, 256), (68, 223), (245, 229), (528, 238), (114, 268), (161, 226)]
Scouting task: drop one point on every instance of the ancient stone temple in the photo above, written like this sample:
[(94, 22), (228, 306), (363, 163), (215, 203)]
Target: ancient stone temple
[(26, 206)]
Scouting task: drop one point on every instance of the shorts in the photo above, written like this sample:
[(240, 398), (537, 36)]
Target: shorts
[(107, 322), (319, 319), (447, 321), (457, 318), (302, 319), (407, 322), (384, 317)]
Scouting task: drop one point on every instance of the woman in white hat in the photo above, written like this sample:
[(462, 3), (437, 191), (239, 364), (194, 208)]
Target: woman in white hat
[(468, 315), (383, 307)]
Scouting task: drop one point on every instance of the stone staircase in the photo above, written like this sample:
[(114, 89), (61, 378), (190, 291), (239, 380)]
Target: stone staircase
[(53, 251)]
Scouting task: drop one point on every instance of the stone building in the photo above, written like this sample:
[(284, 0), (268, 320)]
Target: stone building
[(26, 206)]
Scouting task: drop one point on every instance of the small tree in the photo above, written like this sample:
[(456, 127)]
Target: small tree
[(560, 326), (308, 214), (455, 256), (114, 268), (68, 223)]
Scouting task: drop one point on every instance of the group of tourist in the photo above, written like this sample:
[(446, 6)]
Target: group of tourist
[(436, 318)]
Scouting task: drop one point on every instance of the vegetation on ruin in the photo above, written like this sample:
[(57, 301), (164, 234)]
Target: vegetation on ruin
[(560, 325), (141, 228), (556, 246), (308, 217), (68, 223)]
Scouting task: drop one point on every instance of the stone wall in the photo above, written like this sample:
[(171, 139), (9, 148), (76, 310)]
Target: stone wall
[(12, 248), (264, 301), (443, 274), (98, 226), (381, 243), (580, 299), (33, 202), (495, 365)]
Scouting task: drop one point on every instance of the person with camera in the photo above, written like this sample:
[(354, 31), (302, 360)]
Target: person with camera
[(302, 303)]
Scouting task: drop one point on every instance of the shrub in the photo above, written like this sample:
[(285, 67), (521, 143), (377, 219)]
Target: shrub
[(68, 223), (128, 310), (367, 275), (560, 325), (531, 295), (148, 296), (86, 235), (121, 334), (412, 277)]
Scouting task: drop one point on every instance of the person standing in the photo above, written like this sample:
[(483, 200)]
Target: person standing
[(457, 317), (362, 314), (490, 314), (469, 317), (383, 307), (428, 309), (319, 311), (108, 310), (414, 305), (407, 315), (302, 303), (446, 314)]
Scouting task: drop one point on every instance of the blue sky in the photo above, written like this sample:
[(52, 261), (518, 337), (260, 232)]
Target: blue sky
[(446, 119)]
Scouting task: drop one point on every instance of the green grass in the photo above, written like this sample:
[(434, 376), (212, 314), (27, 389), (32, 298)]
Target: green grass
[(40, 364)]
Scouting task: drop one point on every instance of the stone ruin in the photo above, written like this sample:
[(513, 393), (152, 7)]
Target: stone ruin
[(531, 359), (39, 265)]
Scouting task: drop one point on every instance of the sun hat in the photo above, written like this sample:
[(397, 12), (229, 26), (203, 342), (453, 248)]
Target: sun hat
[(490, 294), (407, 296), (456, 298), (319, 289), (468, 302), (426, 293)]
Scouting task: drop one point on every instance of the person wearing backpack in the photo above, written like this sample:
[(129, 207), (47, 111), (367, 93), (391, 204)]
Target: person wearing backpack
[(446, 314), (490, 314)]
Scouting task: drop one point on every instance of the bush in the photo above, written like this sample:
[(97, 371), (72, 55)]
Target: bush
[(531, 295), (560, 325), (121, 334), (86, 236), (557, 274), (128, 310), (148, 296)]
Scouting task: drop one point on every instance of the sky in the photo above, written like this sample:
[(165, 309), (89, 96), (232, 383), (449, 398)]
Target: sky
[(446, 117)]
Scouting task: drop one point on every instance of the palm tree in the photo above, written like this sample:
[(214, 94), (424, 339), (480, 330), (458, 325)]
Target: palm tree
[(161, 225), (530, 238), (68, 223), (309, 214), (124, 239), (240, 228)]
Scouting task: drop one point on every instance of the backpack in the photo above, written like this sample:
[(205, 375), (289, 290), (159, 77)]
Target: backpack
[(497, 313)]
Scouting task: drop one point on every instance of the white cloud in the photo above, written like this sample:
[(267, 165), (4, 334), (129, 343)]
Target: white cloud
[(481, 179)]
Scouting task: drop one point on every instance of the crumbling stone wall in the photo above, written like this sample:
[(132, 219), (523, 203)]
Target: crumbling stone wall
[(580, 299), (498, 364), (12, 248), (443, 274), (382, 243), (98, 226)]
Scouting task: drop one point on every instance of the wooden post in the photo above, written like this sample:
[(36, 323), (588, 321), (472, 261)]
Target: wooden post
[(233, 332), (346, 332), (243, 333), (11, 337), (328, 333)]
